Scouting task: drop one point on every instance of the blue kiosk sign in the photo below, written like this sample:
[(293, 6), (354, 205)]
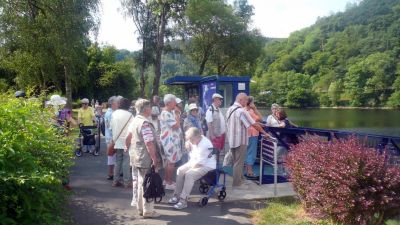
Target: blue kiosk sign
[(205, 87)]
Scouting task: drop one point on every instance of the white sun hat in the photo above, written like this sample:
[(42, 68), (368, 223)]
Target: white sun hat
[(57, 100), (192, 106)]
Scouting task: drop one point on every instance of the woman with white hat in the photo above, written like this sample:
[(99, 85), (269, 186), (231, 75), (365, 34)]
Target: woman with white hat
[(62, 116), (192, 120)]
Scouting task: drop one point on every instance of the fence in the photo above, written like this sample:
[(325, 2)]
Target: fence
[(287, 136)]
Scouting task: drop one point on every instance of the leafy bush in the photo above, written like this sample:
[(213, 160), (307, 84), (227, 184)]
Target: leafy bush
[(300, 97), (345, 181), (34, 160)]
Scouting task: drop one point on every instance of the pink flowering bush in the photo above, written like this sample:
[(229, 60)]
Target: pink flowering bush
[(345, 181)]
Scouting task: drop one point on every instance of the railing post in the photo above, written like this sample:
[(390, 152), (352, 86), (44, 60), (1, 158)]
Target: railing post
[(275, 169)]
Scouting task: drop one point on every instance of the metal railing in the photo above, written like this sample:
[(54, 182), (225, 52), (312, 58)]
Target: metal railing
[(268, 146), (268, 155)]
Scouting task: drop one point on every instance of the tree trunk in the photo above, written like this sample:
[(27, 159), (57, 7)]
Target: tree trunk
[(68, 85), (142, 72), (159, 50), (203, 62), (222, 68)]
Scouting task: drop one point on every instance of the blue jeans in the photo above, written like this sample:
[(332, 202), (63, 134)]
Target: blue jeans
[(251, 151)]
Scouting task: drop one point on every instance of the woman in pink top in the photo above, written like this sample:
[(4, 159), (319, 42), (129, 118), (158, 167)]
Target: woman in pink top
[(253, 138)]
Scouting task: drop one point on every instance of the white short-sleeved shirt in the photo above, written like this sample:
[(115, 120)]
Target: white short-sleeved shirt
[(202, 154), (118, 120), (272, 121), (107, 120), (209, 119)]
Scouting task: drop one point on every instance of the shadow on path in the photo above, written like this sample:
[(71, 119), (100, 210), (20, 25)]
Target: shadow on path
[(95, 202)]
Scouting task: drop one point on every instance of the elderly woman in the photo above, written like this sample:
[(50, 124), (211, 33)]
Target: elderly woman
[(192, 120), (200, 163), (170, 136)]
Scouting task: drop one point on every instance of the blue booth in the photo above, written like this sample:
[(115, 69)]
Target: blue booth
[(205, 87)]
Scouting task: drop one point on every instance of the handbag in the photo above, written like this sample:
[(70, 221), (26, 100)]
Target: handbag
[(110, 147)]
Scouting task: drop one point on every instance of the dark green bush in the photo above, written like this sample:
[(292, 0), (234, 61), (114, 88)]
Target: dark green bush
[(34, 160), (300, 97)]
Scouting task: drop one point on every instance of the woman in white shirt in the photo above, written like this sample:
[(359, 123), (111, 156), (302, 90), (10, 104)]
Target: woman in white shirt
[(200, 163)]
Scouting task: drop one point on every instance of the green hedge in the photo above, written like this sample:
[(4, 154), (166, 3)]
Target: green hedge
[(34, 160)]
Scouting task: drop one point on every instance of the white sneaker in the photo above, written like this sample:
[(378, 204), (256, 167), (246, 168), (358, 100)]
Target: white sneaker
[(173, 200), (181, 205), (170, 186), (134, 202)]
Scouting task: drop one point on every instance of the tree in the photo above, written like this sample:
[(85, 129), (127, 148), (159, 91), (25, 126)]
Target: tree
[(44, 41), (164, 12), (351, 57), (145, 24), (108, 74), (219, 33)]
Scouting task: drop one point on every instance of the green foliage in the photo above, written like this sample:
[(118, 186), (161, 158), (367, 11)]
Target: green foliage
[(34, 160), (106, 76), (300, 98), (44, 41), (221, 41), (351, 56)]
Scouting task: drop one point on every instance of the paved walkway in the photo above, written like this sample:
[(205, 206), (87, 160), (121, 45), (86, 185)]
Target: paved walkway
[(95, 202)]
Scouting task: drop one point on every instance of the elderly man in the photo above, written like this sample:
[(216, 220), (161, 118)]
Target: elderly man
[(216, 122), (119, 124), (238, 121), (144, 152), (170, 136), (201, 161)]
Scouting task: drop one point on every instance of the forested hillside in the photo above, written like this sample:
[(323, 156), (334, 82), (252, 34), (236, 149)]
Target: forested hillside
[(348, 59)]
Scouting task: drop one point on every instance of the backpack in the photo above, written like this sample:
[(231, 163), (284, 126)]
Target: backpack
[(204, 125), (153, 186)]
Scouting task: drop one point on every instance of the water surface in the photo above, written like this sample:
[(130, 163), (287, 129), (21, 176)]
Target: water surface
[(377, 121)]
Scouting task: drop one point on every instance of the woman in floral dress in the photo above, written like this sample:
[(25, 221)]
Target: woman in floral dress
[(171, 138)]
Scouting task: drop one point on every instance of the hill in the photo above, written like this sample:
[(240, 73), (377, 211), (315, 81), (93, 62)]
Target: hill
[(348, 59)]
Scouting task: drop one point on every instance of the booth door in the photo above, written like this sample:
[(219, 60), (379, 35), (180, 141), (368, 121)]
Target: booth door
[(225, 89)]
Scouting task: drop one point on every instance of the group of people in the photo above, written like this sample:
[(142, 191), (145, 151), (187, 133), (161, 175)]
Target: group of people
[(163, 133)]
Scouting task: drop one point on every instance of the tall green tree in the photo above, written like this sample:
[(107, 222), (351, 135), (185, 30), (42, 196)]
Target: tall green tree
[(165, 12), (44, 41), (219, 35), (145, 24)]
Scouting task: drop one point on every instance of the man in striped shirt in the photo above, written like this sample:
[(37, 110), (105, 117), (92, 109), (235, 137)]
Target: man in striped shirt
[(238, 120)]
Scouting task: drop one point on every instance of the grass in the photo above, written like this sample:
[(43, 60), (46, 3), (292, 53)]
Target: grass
[(288, 211), (285, 211)]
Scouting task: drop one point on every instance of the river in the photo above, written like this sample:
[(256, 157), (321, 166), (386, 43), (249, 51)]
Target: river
[(376, 121)]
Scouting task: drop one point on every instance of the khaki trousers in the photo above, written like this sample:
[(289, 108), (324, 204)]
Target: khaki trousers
[(142, 205), (185, 178), (239, 155)]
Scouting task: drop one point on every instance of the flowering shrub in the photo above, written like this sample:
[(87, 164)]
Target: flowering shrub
[(34, 159), (345, 181)]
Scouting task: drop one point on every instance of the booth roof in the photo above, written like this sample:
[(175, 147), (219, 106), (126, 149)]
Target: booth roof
[(183, 80)]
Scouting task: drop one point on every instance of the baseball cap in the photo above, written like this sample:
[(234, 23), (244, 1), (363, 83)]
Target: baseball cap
[(216, 95)]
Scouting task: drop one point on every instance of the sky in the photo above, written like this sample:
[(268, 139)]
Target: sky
[(274, 18)]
